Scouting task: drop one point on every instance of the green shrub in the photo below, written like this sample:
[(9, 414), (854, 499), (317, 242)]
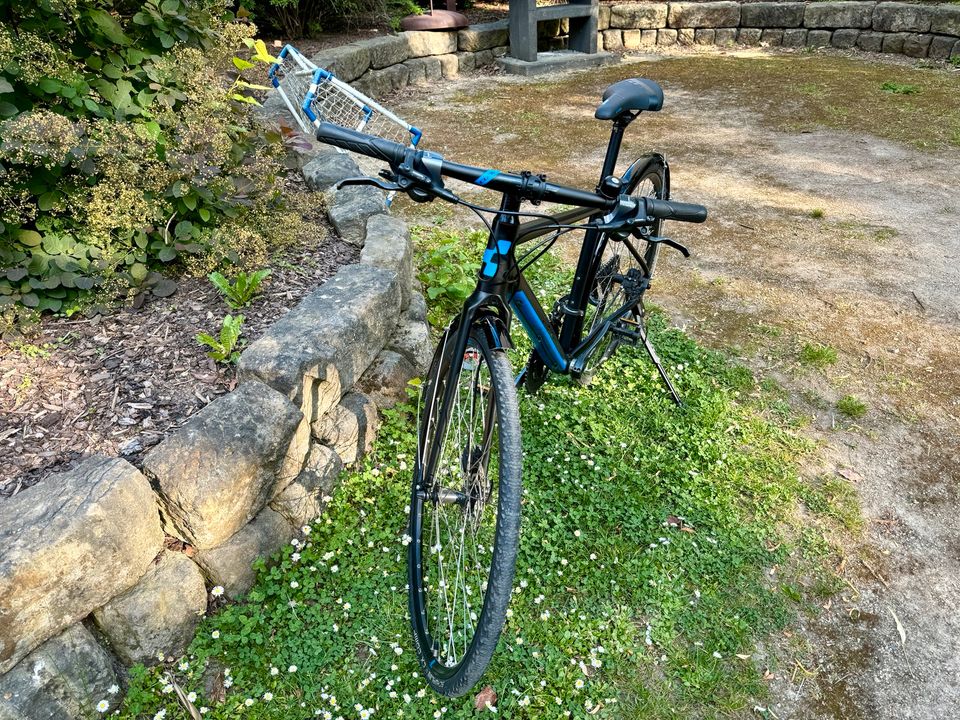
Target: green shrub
[(123, 149), (223, 348), (298, 18), (244, 287), (448, 265)]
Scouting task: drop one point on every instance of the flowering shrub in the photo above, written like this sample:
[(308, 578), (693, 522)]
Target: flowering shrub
[(122, 149)]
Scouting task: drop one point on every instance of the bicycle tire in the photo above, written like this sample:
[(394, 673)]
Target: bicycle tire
[(617, 259), (445, 671)]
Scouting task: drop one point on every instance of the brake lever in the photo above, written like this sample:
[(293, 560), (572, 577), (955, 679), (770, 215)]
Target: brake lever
[(365, 180), (669, 243)]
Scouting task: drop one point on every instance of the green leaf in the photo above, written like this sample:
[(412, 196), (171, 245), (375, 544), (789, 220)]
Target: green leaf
[(6, 87), (112, 72), (138, 271), (167, 254), (108, 25), (204, 214), (8, 109), (239, 63), (190, 201), (30, 238), (46, 201), (31, 300)]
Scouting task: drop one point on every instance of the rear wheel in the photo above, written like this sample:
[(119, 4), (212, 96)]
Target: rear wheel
[(464, 514), (632, 258)]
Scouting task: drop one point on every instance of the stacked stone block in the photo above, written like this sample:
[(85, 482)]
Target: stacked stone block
[(893, 27)]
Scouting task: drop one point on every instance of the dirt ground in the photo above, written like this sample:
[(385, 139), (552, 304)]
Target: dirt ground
[(819, 234)]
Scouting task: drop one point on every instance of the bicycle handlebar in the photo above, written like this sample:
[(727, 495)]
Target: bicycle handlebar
[(403, 160)]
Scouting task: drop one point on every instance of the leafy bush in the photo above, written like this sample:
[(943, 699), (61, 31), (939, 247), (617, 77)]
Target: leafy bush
[(241, 291), (448, 265), (123, 149), (223, 348), (296, 18)]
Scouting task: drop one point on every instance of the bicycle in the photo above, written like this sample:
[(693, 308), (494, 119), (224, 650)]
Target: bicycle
[(465, 499)]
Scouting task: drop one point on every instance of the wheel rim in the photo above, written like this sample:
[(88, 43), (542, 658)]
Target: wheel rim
[(608, 294), (455, 515)]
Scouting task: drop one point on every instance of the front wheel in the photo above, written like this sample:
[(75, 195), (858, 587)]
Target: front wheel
[(464, 513)]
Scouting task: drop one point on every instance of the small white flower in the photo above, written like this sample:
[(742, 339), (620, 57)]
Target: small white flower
[(160, 715), (347, 606), (294, 584), (204, 710), (398, 650), (274, 671), (306, 529), (295, 557), (292, 669), (167, 689), (113, 689), (103, 706), (579, 684), (248, 702), (215, 634), (217, 591), (184, 666), (227, 682), (576, 533), (334, 568), (717, 655), (268, 696)]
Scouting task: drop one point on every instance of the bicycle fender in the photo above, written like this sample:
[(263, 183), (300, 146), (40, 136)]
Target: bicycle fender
[(640, 166)]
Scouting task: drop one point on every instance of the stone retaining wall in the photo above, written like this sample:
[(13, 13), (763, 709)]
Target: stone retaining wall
[(919, 31), (86, 584)]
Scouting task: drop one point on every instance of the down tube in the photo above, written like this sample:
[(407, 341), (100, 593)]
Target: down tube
[(527, 309)]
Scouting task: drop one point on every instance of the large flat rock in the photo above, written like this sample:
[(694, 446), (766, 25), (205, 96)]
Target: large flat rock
[(704, 15), (839, 15), (69, 544), (231, 564), (772, 14), (157, 615), (329, 338), (216, 472), (638, 16), (483, 36), (388, 246), (63, 679), (347, 62)]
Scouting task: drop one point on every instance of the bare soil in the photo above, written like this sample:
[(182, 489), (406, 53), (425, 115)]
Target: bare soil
[(838, 227), (118, 383)]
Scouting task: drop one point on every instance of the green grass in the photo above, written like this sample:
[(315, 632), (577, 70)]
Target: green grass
[(896, 88), (817, 213), (616, 614), (818, 355), (851, 406)]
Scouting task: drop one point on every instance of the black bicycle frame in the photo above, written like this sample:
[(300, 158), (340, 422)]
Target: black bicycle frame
[(503, 292)]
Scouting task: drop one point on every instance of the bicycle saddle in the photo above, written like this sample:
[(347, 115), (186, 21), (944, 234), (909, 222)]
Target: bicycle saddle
[(633, 94)]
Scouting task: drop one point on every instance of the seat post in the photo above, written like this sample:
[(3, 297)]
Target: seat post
[(620, 124)]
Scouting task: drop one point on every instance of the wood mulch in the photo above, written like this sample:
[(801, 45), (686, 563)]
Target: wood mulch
[(116, 384)]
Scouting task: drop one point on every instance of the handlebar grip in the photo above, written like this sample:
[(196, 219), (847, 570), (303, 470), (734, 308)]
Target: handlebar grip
[(670, 210), (361, 143)]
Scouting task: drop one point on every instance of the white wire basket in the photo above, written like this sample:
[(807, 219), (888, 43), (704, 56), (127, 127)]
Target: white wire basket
[(314, 95)]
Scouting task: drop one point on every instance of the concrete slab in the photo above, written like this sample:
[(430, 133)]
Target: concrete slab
[(555, 61)]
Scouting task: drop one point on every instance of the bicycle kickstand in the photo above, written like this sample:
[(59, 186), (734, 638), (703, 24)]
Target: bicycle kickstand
[(655, 359)]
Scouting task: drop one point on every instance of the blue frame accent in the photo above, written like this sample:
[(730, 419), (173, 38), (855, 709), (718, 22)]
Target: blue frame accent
[(486, 177), (538, 332), (415, 135)]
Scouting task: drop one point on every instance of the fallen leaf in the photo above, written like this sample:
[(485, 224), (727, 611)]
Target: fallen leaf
[(903, 633), (743, 657), (485, 698), (850, 474)]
